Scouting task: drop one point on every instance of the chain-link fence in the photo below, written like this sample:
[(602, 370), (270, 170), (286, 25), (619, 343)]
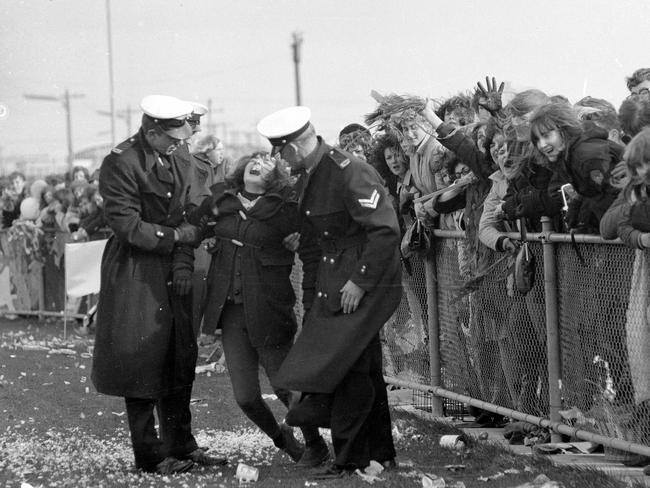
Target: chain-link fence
[(493, 338)]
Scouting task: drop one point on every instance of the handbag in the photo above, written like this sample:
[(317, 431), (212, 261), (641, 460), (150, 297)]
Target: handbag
[(524, 272), (524, 269), (416, 240)]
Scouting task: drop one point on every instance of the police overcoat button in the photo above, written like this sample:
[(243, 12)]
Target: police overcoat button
[(324, 295), (319, 294), (169, 194), (325, 233), (324, 258), (307, 212), (363, 269), (332, 261), (160, 233)]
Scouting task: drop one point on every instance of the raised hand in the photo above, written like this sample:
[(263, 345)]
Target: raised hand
[(490, 98)]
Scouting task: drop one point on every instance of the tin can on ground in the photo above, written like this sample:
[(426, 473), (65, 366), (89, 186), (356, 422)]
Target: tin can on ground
[(246, 473), (452, 441)]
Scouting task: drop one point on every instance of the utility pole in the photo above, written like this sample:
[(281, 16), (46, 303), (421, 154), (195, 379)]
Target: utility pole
[(110, 73), (125, 115), (65, 98), (209, 114), (210, 125), (296, 45)]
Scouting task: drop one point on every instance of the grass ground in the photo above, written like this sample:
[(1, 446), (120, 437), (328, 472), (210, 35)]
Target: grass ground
[(56, 431)]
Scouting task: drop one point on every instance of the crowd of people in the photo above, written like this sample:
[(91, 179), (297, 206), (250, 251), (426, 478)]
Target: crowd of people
[(68, 203), (470, 162)]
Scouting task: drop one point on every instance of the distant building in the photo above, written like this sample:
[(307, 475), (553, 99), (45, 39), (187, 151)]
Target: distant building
[(40, 165), (32, 165)]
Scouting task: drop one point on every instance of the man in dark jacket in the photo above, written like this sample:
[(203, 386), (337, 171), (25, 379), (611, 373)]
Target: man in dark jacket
[(145, 350), (349, 242)]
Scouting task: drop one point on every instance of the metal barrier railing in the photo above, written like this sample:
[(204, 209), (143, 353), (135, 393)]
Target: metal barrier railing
[(576, 346), (32, 281)]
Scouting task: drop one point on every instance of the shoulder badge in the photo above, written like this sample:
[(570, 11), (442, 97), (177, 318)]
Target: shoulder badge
[(124, 145), (339, 158)]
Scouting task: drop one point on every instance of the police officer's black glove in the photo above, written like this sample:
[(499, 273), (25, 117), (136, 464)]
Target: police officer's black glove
[(187, 234), (182, 281)]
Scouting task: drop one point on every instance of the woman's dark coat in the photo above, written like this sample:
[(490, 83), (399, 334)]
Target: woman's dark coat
[(249, 242)]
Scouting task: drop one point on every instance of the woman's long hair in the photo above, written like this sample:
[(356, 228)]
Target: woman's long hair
[(277, 180), (555, 116), (389, 140), (637, 157)]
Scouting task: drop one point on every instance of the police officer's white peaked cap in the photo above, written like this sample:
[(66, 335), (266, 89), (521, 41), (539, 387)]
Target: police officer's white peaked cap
[(282, 126), (163, 107), (198, 108)]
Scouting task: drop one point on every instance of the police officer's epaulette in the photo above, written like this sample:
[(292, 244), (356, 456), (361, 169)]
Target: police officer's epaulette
[(123, 146), (341, 159)]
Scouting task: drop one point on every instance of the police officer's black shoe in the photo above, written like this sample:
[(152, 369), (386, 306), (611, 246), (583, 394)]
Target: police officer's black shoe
[(332, 472), (315, 454), (200, 457), (389, 464), (171, 465)]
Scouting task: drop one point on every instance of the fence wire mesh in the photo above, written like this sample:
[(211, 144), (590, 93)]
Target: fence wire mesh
[(405, 337), (493, 338), (600, 346)]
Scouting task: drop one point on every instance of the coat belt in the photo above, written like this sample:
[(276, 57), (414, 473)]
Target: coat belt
[(329, 245)]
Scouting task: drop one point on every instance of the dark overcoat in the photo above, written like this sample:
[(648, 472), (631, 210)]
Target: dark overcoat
[(349, 231), (144, 345), (249, 242)]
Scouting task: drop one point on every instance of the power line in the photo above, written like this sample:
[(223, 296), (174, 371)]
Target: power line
[(125, 115)]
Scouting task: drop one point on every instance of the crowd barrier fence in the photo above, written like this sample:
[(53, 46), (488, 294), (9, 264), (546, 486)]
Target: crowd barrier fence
[(572, 354), (32, 274)]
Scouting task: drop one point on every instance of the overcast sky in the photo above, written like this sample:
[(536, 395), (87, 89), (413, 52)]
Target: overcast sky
[(238, 54)]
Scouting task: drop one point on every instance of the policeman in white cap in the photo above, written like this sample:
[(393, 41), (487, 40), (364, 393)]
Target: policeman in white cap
[(203, 178), (145, 350), (349, 243), (194, 119)]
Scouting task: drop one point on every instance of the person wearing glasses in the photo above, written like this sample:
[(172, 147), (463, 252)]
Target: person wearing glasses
[(639, 82)]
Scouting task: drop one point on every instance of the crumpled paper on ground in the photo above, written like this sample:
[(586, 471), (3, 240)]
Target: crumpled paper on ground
[(541, 481)]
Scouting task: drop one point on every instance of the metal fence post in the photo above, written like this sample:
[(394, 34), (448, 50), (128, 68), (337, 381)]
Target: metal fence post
[(552, 327), (434, 330)]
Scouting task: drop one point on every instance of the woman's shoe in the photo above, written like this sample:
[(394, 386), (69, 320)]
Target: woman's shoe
[(289, 444)]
